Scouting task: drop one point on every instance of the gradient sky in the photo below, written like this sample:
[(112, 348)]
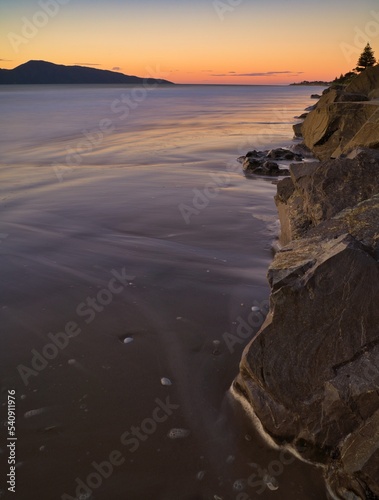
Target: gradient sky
[(195, 41)]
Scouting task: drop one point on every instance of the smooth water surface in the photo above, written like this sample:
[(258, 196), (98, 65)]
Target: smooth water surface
[(132, 251)]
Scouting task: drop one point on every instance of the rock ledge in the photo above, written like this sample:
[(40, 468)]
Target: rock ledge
[(311, 374)]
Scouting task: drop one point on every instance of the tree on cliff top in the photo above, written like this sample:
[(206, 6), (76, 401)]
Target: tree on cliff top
[(366, 60)]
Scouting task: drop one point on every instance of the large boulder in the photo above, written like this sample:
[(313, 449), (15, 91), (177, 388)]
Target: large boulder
[(331, 129), (344, 118), (311, 373), (317, 191)]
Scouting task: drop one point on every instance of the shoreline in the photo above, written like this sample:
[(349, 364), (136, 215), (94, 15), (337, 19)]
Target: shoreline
[(297, 395), (192, 283)]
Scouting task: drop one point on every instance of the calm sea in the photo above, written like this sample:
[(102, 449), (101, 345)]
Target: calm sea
[(132, 251), (176, 125)]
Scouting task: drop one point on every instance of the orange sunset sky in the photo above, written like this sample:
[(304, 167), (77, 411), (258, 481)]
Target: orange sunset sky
[(197, 41)]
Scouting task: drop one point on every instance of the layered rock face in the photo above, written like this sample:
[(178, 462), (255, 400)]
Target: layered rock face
[(311, 375), (312, 372), (344, 118), (317, 191)]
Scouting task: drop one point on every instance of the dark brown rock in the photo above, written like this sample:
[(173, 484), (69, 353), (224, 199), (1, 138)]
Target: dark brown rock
[(282, 154), (311, 374), (256, 154), (366, 82), (352, 97), (297, 128), (262, 162), (321, 190)]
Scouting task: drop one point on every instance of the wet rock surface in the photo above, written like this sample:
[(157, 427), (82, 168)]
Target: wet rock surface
[(311, 374), (266, 162)]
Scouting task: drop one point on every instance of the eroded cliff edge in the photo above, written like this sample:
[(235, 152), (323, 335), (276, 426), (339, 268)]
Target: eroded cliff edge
[(311, 375), (344, 118)]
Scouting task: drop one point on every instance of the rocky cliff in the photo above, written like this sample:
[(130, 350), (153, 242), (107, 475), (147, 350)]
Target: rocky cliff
[(311, 375), (344, 118)]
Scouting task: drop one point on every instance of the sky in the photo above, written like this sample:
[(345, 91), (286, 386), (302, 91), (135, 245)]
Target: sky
[(193, 41)]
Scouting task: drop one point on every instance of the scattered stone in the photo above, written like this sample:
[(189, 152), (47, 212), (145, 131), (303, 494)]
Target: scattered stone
[(200, 475), (34, 413), (284, 154), (251, 163), (178, 433), (256, 154), (239, 485), (261, 162), (166, 381), (216, 348)]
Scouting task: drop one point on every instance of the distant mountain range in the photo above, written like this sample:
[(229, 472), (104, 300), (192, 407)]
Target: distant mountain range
[(42, 72)]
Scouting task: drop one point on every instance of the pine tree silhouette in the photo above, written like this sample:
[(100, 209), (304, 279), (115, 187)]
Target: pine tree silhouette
[(366, 60)]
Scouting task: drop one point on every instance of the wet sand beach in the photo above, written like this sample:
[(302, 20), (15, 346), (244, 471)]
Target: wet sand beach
[(125, 276)]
